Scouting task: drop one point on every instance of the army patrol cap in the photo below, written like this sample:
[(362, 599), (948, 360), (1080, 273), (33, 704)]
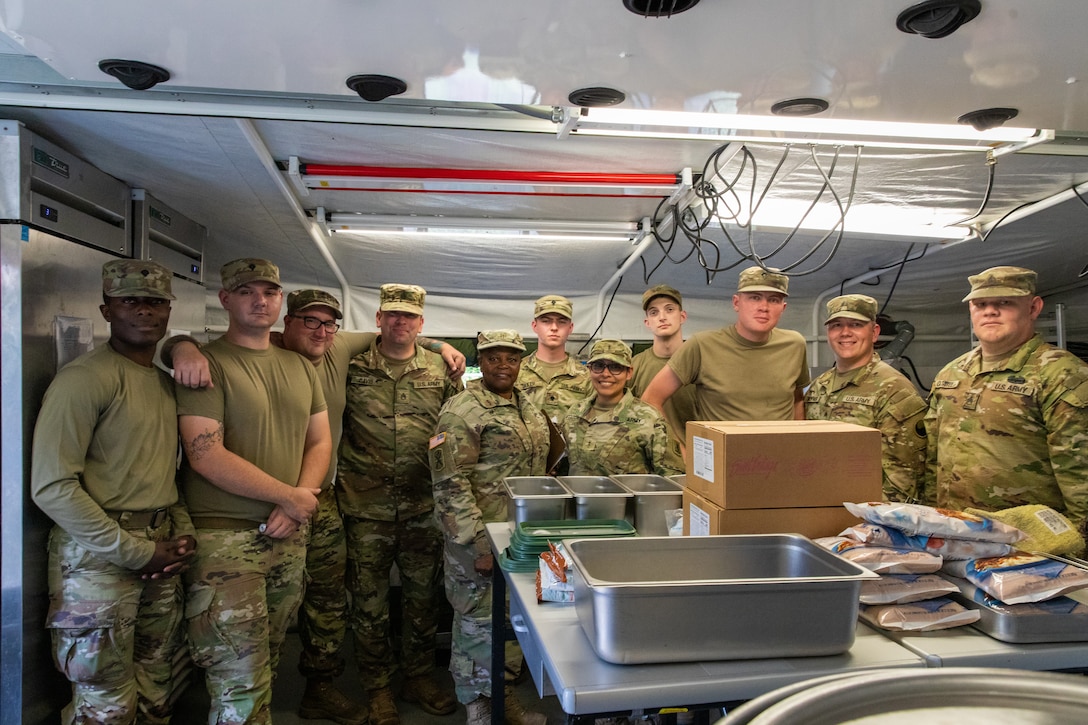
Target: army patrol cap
[(855, 307), (613, 350), (1002, 282), (661, 290), (301, 299), (554, 304), (246, 270), (402, 298), (136, 278), (499, 338), (757, 279)]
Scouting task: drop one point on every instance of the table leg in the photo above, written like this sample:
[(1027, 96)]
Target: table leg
[(498, 644)]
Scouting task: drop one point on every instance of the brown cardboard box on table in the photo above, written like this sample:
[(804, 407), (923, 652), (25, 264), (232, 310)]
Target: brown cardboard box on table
[(782, 464), (703, 518)]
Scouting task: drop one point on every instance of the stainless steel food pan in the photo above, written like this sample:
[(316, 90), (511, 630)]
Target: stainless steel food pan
[(597, 497), (685, 599), (537, 498), (651, 497)]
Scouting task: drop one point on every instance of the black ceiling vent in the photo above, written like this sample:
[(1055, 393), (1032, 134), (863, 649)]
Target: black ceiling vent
[(135, 74), (799, 107), (376, 87), (596, 97), (986, 118), (659, 8), (937, 18)]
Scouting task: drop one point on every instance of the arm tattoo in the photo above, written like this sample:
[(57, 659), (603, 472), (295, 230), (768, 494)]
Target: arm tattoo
[(197, 447)]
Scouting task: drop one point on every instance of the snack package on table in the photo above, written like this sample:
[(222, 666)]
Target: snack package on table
[(1020, 577), (947, 549), (912, 518), (927, 616), (551, 577), (1047, 530), (881, 559), (904, 588), (1049, 607)]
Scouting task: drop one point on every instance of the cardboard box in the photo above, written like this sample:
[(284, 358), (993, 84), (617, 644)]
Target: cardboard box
[(788, 464), (703, 518)]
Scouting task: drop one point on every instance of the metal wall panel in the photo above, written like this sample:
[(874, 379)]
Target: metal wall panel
[(58, 277)]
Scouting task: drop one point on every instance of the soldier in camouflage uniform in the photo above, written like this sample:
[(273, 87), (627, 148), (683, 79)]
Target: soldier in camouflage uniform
[(103, 470), (395, 390), (1008, 421), (551, 379), (257, 447), (612, 431), (484, 434), (310, 328), (864, 390)]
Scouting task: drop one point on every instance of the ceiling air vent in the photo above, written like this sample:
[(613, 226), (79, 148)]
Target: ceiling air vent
[(135, 74), (937, 18), (376, 87), (595, 97), (799, 107), (986, 118), (659, 8)]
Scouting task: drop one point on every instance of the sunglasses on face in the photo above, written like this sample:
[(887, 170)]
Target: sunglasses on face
[(599, 366)]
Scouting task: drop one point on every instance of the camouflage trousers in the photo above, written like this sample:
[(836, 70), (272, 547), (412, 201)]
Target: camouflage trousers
[(243, 590), (322, 618), (115, 636), (415, 546), (469, 594)]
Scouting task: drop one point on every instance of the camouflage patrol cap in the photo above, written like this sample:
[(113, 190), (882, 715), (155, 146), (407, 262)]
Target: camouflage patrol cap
[(246, 270), (1002, 282), (757, 279), (855, 307), (553, 304), (661, 290), (499, 338), (136, 278), (402, 298), (614, 350), (301, 299)]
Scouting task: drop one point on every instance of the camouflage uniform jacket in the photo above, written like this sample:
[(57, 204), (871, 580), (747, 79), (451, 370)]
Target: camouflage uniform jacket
[(1013, 436), (482, 438), (633, 440), (382, 473), (877, 395), (556, 396)]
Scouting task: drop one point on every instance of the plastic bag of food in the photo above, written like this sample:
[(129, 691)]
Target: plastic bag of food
[(1020, 577), (1049, 607), (927, 616), (912, 518), (881, 559), (551, 576), (947, 549), (1046, 530), (904, 588)]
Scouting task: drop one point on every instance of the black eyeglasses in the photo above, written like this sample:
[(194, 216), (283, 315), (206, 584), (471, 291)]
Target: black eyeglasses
[(599, 366), (313, 323)]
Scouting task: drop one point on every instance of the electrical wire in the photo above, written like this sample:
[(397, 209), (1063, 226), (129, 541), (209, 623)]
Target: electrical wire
[(604, 316), (724, 200), (906, 258)]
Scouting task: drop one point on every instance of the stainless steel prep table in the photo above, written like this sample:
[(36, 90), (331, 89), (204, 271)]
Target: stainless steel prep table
[(562, 661)]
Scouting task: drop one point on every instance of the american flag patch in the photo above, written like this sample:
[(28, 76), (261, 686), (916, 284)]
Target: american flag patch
[(437, 440)]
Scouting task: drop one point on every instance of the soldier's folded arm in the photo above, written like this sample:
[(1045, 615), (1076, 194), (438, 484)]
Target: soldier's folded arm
[(181, 354), (202, 440)]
